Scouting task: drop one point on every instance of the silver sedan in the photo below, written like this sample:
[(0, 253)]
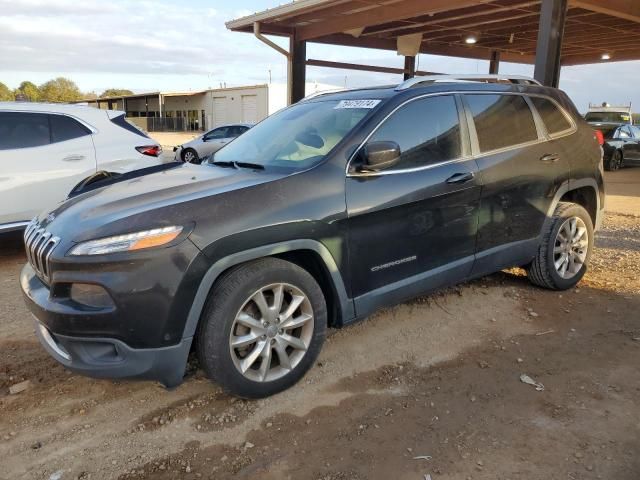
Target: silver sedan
[(210, 142)]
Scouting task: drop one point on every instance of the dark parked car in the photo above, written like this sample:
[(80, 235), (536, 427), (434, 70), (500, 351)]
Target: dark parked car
[(316, 217), (621, 145)]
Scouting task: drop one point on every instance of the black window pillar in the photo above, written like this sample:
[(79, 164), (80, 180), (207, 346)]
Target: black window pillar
[(297, 68), (553, 14), (409, 67), (494, 63)]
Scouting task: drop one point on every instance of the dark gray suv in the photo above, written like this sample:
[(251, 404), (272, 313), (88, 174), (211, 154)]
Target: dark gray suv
[(316, 217)]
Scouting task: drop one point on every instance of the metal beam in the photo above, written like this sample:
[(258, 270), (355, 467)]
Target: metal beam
[(383, 14), (494, 63), (627, 9), (365, 68), (553, 14)]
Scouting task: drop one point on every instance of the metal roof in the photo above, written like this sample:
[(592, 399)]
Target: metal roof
[(594, 28)]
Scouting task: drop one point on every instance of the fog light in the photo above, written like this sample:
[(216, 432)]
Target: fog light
[(90, 295)]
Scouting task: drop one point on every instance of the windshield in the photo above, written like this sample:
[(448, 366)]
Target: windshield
[(608, 117), (297, 137)]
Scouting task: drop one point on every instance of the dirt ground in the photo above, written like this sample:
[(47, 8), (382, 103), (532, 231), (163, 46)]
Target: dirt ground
[(427, 389)]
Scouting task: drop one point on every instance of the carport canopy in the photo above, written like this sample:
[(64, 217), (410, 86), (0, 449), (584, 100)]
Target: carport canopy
[(547, 33)]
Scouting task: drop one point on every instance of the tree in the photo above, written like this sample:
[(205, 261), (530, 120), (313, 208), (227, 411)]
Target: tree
[(115, 92), (60, 90), (6, 95), (29, 90)]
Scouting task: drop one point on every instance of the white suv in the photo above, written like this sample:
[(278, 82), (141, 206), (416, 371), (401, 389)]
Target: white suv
[(46, 149)]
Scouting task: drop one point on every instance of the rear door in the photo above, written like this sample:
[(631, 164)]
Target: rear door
[(631, 148), (42, 157), (413, 227), (521, 169)]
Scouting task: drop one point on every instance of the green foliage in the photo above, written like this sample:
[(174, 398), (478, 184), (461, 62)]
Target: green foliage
[(115, 92), (5, 93), (60, 90), (29, 90)]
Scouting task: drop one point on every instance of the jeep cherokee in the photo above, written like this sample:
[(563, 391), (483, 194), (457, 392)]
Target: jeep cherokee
[(324, 212)]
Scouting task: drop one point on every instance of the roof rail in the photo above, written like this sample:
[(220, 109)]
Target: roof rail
[(467, 78)]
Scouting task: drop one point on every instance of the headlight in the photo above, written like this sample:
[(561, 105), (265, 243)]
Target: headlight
[(127, 242)]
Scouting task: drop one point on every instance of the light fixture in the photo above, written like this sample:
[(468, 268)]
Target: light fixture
[(470, 40), (605, 56)]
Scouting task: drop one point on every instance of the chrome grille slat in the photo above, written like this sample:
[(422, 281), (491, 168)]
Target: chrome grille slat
[(39, 245)]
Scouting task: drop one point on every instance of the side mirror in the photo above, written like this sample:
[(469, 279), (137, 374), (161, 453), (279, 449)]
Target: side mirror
[(381, 155)]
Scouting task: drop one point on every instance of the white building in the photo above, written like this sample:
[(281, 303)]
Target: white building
[(202, 110)]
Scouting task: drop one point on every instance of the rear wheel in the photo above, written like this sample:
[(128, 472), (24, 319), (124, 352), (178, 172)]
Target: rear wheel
[(564, 252), (263, 328), (189, 155), (616, 161)]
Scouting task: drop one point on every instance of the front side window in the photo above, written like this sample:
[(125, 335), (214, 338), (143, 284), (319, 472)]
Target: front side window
[(501, 120), (427, 131), (66, 128), (636, 132), (553, 118), (217, 133), (23, 130), (297, 137), (624, 133)]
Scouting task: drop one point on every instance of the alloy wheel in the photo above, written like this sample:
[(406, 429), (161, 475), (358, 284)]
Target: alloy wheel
[(272, 332), (189, 156), (571, 247)]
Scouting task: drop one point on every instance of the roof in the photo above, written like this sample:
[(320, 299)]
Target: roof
[(593, 27), (83, 112)]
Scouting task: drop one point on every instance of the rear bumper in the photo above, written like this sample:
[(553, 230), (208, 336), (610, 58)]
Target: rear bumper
[(111, 358)]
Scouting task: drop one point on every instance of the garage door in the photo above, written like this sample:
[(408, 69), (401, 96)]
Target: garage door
[(219, 111), (249, 108)]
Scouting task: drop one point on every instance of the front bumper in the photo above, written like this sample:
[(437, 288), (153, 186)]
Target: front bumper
[(111, 358)]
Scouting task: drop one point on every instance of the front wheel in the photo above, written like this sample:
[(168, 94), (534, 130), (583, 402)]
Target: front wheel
[(263, 328), (189, 155), (563, 254)]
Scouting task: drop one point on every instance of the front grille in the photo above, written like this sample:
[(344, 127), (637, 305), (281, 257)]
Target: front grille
[(39, 245)]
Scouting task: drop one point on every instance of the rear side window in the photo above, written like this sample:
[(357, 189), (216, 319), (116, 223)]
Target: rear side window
[(427, 131), (501, 121), (122, 122), (552, 117), (66, 128), (23, 130)]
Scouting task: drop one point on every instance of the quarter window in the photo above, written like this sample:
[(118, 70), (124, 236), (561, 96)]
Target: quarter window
[(65, 128), (501, 121), (552, 117), (23, 130), (427, 131)]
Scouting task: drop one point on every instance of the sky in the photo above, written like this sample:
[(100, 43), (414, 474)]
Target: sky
[(173, 45)]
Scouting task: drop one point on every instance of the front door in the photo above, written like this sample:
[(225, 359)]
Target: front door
[(42, 157), (413, 227)]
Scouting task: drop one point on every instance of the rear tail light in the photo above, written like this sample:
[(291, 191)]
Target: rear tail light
[(151, 150), (599, 137)]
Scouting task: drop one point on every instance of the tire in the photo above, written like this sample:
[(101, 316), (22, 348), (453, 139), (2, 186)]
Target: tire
[(543, 271), (189, 155), (615, 161), (233, 314)]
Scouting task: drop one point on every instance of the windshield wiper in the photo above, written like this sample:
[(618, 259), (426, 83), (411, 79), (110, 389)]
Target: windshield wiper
[(254, 166), (229, 164), (224, 164)]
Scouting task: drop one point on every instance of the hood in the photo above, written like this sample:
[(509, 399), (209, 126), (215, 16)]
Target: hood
[(92, 213)]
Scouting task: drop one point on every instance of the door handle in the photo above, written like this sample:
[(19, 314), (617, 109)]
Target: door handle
[(461, 177), (73, 158), (550, 158)]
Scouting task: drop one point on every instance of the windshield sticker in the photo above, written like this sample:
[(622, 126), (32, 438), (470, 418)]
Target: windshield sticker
[(356, 104), (625, 117)]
